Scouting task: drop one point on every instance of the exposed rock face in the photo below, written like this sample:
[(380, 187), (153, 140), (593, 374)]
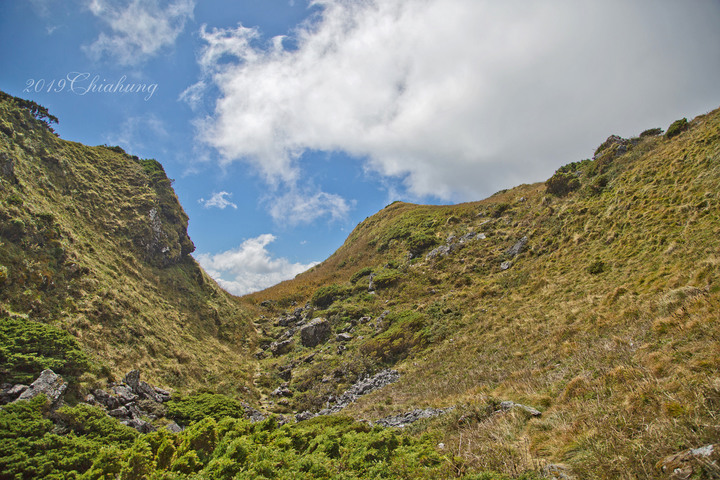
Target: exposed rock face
[(127, 401), (48, 383), (315, 332)]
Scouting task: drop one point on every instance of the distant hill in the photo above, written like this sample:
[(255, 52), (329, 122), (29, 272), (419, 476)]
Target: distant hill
[(592, 297), (94, 242)]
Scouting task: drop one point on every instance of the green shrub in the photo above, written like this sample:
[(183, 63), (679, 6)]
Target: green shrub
[(27, 348), (193, 408), (386, 278), (562, 184), (363, 272), (676, 128), (651, 132), (325, 296), (3, 274)]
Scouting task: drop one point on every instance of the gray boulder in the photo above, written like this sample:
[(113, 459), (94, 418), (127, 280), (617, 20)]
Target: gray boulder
[(281, 348), (518, 247), (48, 383), (315, 332)]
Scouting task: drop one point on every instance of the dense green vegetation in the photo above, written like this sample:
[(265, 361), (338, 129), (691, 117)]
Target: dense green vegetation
[(27, 348), (87, 444)]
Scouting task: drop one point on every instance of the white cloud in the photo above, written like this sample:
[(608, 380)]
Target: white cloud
[(250, 267), (219, 200), (138, 133), (458, 98), (139, 28), (295, 207)]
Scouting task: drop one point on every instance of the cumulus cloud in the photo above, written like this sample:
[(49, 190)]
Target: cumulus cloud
[(139, 28), (458, 98), (219, 200), (295, 207), (250, 267)]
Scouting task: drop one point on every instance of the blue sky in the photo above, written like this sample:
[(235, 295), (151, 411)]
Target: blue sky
[(285, 123)]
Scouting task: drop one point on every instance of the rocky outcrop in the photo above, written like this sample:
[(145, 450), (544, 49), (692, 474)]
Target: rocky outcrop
[(453, 244), (363, 387), (315, 332), (400, 421), (131, 401), (49, 384)]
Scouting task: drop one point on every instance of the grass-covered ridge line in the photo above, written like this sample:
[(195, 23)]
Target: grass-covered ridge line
[(606, 319), (93, 242)]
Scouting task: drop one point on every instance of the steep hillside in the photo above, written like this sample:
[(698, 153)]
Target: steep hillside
[(93, 242), (593, 297)]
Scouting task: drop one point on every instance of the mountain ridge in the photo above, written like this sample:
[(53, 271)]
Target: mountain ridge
[(561, 329)]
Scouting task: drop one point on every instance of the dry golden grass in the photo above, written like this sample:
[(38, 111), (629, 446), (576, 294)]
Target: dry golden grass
[(607, 322)]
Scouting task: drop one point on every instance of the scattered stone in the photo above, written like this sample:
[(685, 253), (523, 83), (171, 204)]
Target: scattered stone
[(508, 405), (252, 414), (400, 421), (505, 265), (140, 425), (556, 471), (120, 412), (363, 387), (518, 247), (344, 337), (133, 379), (48, 383), (105, 399), (315, 332), (281, 348), (684, 465), (306, 415), (173, 427), (282, 391)]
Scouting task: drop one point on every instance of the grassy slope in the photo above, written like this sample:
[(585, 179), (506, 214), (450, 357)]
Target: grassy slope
[(94, 241), (608, 320)]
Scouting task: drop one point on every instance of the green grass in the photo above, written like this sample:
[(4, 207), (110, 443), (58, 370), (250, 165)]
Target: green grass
[(110, 266), (607, 321)]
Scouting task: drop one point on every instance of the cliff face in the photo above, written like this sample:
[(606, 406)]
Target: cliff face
[(94, 241)]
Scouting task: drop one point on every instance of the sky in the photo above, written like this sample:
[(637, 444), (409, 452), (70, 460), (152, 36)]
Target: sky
[(285, 123)]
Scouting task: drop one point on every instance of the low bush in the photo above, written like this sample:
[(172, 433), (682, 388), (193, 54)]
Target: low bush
[(676, 128), (193, 408), (27, 348), (562, 184)]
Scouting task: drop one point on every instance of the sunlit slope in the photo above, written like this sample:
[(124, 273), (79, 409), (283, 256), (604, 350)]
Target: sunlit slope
[(604, 315)]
